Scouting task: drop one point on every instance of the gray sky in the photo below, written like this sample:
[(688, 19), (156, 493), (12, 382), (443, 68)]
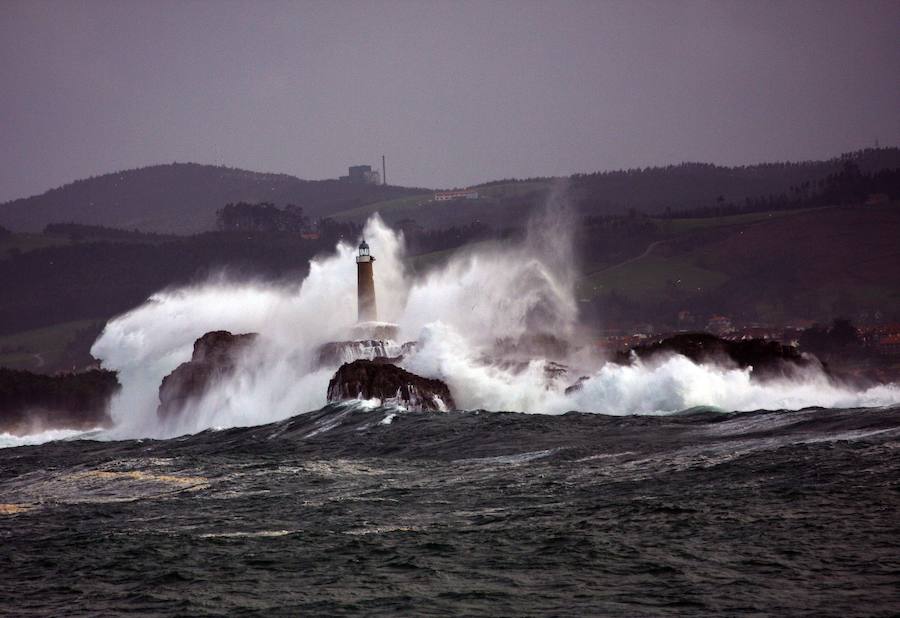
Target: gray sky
[(452, 92)]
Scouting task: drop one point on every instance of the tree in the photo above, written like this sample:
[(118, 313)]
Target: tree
[(262, 217)]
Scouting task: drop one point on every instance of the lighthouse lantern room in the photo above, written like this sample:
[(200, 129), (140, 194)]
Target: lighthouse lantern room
[(365, 285)]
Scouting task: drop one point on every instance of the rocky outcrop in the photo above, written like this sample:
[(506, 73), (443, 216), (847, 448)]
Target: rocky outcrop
[(577, 386), (366, 379), (769, 359), (214, 357), (31, 402)]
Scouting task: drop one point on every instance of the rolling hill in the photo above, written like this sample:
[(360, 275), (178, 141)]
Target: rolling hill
[(771, 267), (650, 190), (829, 253), (182, 198)]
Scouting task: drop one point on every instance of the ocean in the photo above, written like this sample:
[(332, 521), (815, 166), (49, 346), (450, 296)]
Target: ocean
[(355, 510)]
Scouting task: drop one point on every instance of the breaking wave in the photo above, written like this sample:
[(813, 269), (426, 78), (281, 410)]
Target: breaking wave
[(8, 440), (456, 313)]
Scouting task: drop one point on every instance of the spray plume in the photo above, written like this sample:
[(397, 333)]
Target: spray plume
[(456, 313)]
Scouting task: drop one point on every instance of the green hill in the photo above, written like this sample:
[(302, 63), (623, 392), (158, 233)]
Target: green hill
[(769, 267)]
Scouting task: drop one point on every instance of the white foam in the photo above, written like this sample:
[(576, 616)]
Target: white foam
[(456, 313), (10, 440)]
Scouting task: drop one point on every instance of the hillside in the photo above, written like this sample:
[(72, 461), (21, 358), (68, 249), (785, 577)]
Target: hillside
[(820, 249), (62, 285), (650, 190), (95, 279), (771, 267), (700, 185), (181, 198)]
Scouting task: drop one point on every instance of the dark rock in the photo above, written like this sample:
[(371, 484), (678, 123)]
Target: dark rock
[(769, 359), (31, 402), (365, 379), (577, 386), (215, 357)]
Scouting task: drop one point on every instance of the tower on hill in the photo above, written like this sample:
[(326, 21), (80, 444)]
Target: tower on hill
[(365, 285)]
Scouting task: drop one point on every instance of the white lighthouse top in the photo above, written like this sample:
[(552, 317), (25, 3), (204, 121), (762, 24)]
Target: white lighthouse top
[(364, 253)]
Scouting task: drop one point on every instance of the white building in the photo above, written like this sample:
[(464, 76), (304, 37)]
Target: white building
[(458, 194)]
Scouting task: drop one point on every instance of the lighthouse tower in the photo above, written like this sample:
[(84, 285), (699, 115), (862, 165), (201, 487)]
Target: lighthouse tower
[(365, 285)]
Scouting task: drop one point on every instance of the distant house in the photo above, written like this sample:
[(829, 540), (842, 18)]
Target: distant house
[(310, 236), (457, 194), (362, 174)]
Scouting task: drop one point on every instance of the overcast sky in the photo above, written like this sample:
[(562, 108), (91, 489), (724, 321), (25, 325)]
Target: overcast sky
[(454, 93)]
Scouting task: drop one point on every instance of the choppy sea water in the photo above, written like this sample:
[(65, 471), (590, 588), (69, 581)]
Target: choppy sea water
[(349, 511)]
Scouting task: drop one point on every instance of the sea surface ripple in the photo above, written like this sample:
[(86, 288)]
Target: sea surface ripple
[(351, 510)]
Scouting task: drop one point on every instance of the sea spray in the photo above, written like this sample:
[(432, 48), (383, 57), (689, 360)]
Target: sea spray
[(456, 313), (276, 378)]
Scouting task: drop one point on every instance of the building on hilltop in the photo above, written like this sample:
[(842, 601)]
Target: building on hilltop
[(362, 174)]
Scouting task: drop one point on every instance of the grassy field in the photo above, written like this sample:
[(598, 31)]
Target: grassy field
[(677, 227), (512, 189), (400, 206), (426, 261), (25, 242), (416, 205), (28, 242), (650, 277), (36, 349)]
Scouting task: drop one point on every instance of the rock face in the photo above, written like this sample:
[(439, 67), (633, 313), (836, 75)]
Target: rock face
[(215, 357), (31, 402), (769, 359), (366, 379), (577, 386)]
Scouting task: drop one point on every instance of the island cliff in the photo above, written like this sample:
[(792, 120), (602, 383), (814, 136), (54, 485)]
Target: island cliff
[(365, 379)]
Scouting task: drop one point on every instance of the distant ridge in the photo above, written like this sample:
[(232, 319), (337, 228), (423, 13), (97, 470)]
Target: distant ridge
[(181, 198), (648, 190)]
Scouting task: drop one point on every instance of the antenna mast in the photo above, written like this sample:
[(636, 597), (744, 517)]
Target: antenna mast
[(383, 171)]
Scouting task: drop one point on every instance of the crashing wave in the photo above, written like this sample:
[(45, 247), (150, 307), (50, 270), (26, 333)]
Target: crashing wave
[(459, 316)]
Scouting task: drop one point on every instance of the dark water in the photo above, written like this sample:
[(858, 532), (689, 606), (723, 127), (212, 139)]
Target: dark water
[(332, 513)]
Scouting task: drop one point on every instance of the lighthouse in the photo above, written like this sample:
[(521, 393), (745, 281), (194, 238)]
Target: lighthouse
[(365, 285)]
